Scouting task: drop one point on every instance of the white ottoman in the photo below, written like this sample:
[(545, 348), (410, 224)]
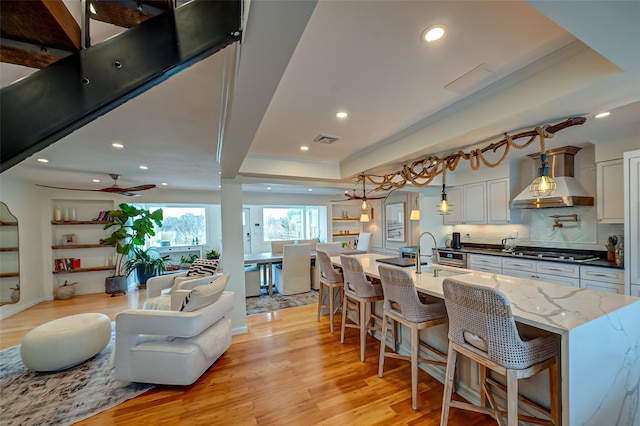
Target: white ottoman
[(65, 342)]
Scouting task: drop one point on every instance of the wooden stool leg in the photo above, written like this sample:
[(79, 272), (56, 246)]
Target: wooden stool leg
[(320, 291), (331, 307), (414, 366), (344, 317), (448, 384), (364, 321), (555, 392), (512, 398), (483, 388), (383, 345)]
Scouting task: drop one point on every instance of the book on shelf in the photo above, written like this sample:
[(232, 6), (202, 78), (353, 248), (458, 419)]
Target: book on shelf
[(103, 216), (67, 263)]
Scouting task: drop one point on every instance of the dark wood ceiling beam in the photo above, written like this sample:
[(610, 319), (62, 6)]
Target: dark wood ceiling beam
[(127, 13), (53, 102), (41, 22)]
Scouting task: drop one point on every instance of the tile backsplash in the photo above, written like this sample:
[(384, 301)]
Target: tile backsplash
[(536, 229)]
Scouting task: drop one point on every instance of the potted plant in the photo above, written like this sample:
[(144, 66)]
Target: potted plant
[(132, 226), (146, 263), (187, 260), (212, 254)]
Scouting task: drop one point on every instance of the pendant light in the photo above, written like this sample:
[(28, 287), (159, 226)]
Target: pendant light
[(444, 207), (364, 216), (415, 213), (543, 185)]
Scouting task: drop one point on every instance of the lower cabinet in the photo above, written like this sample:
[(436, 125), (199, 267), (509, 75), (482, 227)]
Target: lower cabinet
[(485, 263), (603, 279), (552, 272)]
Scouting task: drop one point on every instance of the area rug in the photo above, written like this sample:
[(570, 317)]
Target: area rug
[(60, 398), (266, 303)]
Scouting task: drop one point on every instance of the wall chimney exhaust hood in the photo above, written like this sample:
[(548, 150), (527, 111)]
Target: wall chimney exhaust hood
[(569, 192)]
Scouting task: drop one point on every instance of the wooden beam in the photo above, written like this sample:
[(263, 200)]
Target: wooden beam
[(53, 102), (127, 13), (45, 23)]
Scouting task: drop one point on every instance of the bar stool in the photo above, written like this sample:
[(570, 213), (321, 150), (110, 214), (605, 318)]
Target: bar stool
[(482, 327), (332, 279), (359, 294), (402, 304)]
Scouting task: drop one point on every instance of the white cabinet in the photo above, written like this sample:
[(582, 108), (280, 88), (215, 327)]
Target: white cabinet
[(485, 263), (603, 279), (498, 197), (454, 196), (610, 191), (475, 203), (479, 203), (632, 222), (552, 272)]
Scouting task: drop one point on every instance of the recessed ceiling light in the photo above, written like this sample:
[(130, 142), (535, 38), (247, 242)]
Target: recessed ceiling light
[(143, 167), (310, 189), (342, 114), (95, 180), (117, 145), (602, 114), (43, 160), (268, 188), (433, 33), (164, 184), (304, 148)]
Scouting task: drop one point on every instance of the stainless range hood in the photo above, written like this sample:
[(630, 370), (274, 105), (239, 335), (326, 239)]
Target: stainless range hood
[(569, 192)]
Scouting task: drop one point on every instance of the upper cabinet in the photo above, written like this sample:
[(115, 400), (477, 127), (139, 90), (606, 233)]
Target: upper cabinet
[(610, 191), (479, 203)]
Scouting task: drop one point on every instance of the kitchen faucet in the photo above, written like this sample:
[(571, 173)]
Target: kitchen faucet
[(435, 247)]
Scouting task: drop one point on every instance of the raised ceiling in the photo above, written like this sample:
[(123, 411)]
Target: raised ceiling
[(301, 62)]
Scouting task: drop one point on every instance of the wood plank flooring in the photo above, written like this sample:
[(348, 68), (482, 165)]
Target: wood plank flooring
[(288, 370)]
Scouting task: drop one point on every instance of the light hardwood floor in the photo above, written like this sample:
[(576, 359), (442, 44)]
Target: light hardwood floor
[(288, 370)]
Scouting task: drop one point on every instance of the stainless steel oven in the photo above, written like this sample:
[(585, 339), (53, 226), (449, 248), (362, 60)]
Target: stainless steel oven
[(453, 258)]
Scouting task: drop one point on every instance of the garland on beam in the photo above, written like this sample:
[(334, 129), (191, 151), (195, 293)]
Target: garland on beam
[(421, 172)]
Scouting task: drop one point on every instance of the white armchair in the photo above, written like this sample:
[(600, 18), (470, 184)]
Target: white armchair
[(171, 347), (163, 291)]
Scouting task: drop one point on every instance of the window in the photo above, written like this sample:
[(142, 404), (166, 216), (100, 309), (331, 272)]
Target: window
[(291, 223), (181, 226)]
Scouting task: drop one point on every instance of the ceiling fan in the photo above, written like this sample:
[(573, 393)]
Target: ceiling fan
[(363, 197), (129, 192)]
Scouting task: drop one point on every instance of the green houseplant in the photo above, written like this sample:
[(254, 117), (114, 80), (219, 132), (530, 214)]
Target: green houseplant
[(131, 227), (146, 263), (212, 254)]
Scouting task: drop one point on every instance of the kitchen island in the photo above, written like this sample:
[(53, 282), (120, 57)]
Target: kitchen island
[(599, 332)]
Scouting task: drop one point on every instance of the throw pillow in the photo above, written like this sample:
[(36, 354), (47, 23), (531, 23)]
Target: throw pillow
[(177, 281), (204, 295), (202, 267)]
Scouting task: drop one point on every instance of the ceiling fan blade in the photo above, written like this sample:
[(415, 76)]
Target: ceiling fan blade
[(140, 187), (68, 189)]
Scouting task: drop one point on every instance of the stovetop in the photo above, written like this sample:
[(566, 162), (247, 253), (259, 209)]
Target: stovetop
[(567, 257)]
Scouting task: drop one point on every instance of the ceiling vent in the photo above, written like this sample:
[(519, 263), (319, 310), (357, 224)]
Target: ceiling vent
[(324, 138)]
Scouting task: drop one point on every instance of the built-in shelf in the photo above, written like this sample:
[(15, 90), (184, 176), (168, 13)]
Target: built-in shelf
[(351, 234), (9, 274), (80, 246), (91, 269), (8, 248), (80, 222), (346, 219)]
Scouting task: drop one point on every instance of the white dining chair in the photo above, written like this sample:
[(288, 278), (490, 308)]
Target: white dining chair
[(294, 274), (364, 240)]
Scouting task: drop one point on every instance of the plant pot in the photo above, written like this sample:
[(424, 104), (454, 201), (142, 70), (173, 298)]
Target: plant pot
[(115, 285), (143, 276), (64, 292)]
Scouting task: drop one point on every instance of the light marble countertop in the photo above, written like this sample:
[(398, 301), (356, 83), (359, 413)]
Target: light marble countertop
[(552, 307)]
